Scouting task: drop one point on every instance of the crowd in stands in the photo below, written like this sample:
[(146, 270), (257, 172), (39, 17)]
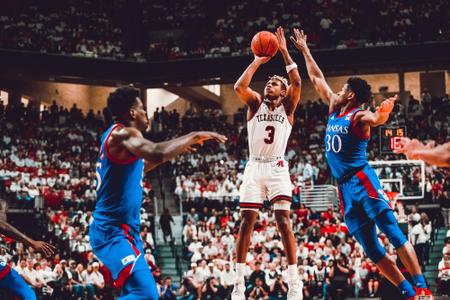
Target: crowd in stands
[(329, 259), (215, 173), (207, 183), (74, 28), (199, 28), (47, 163)]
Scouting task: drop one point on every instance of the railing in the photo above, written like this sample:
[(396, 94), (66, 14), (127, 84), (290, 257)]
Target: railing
[(319, 197), (177, 260)]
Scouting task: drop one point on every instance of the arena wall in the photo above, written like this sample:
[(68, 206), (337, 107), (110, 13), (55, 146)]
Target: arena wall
[(85, 96)]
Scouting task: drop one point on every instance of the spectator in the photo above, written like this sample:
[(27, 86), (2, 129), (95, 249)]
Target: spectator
[(421, 235), (259, 291), (227, 279), (257, 273), (187, 290), (62, 280), (96, 279), (444, 276), (165, 221), (168, 290), (373, 281), (278, 289)]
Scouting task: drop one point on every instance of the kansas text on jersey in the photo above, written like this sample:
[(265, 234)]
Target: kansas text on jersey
[(345, 149)]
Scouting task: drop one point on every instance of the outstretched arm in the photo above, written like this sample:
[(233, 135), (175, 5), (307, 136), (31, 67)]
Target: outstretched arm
[(413, 149), (242, 85), (157, 153), (293, 91), (315, 74), (380, 116), (10, 231)]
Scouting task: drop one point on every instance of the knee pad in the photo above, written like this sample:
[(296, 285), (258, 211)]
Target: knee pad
[(282, 205), (367, 237), (389, 226)]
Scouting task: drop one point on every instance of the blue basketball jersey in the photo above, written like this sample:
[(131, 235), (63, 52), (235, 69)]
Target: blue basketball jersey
[(344, 150), (119, 187)]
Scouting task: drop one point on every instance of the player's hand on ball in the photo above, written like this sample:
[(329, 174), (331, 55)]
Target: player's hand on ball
[(262, 59), (409, 147), (387, 105), (282, 45), (299, 40), (43, 247)]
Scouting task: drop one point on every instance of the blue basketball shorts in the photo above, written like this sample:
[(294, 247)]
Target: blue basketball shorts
[(119, 248), (362, 199)]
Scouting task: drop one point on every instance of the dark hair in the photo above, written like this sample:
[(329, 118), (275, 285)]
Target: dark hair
[(121, 100), (361, 89)]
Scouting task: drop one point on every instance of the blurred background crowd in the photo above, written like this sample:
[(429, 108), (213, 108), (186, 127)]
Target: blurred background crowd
[(167, 30), (47, 165)]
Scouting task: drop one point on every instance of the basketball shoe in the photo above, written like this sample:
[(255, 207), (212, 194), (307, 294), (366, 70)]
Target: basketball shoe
[(238, 291), (422, 294), (295, 290)]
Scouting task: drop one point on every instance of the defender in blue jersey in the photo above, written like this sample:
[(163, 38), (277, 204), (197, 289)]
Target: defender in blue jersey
[(363, 201), (124, 157), (9, 278)]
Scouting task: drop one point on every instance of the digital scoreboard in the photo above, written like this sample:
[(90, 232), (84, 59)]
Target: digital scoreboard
[(389, 137)]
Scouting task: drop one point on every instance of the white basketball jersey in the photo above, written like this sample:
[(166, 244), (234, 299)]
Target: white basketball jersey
[(268, 132)]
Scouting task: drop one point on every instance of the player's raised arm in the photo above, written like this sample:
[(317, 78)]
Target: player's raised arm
[(380, 116), (293, 91), (158, 153), (414, 149), (242, 85), (315, 74)]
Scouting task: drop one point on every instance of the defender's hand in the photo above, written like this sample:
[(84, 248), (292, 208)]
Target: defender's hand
[(299, 40), (387, 105), (199, 137), (409, 147), (43, 247)]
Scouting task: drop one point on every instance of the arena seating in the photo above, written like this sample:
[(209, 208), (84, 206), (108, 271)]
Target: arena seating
[(47, 163), (95, 28)]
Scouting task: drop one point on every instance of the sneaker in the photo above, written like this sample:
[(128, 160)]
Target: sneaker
[(238, 291), (295, 290), (422, 294)]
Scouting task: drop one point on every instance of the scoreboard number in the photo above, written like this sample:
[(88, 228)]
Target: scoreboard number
[(390, 137)]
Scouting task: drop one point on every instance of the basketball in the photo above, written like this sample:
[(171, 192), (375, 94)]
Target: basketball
[(264, 43)]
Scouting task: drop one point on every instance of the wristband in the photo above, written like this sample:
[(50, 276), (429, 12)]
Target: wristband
[(291, 67)]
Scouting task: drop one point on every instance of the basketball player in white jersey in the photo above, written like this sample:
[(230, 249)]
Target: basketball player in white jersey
[(266, 175)]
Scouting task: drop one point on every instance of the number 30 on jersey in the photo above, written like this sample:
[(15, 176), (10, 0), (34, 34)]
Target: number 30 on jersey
[(333, 143)]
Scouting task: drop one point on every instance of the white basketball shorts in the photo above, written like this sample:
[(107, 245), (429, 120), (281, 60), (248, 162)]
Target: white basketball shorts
[(265, 180)]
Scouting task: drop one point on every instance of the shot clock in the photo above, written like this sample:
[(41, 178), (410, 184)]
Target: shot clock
[(389, 137)]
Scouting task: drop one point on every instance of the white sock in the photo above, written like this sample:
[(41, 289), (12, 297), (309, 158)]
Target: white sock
[(292, 272), (240, 271)]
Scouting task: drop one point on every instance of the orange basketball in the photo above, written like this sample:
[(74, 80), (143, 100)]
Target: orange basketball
[(264, 43)]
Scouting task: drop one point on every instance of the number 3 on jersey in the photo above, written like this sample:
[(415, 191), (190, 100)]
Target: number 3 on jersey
[(333, 143), (271, 134)]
